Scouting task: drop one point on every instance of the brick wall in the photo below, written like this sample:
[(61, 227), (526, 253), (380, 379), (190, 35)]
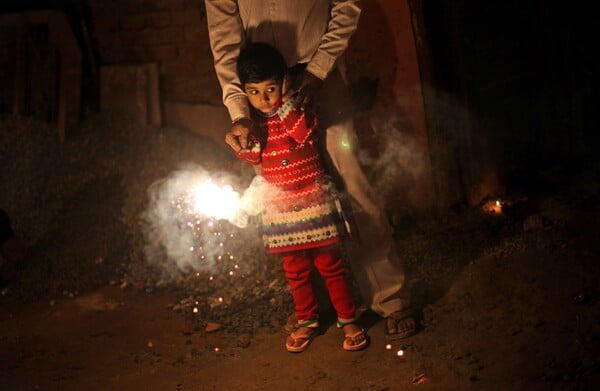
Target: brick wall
[(172, 33)]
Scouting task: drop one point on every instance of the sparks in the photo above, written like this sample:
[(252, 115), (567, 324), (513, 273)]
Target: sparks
[(212, 200)]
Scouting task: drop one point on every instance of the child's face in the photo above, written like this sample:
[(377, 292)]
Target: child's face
[(263, 96)]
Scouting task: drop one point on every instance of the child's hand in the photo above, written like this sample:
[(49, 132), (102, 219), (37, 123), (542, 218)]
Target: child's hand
[(251, 153)]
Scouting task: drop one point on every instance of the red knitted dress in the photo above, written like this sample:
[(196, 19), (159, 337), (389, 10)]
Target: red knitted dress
[(301, 211)]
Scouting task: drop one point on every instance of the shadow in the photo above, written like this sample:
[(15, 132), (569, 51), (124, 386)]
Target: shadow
[(368, 319)]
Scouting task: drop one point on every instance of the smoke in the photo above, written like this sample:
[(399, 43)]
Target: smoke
[(194, 217), (398, 165)]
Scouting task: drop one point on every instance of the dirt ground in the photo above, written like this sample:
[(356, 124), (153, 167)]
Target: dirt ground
[(504, 301)]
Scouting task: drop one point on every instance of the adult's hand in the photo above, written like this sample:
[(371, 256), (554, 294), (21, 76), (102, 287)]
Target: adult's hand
[(237, 137), (305, 86)]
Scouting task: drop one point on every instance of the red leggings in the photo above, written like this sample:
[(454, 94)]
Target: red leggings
[(328, 261)]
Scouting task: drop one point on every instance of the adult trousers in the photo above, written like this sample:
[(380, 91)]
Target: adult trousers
[(372, 256)]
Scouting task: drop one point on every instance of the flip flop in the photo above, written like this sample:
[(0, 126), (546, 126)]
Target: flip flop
[(306, 338), (291, 323), (350, 337), (405, 326)]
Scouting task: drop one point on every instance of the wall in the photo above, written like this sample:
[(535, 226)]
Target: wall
[(508, 91), (170, 32), (384, 80), (174, 33), (390, 120)]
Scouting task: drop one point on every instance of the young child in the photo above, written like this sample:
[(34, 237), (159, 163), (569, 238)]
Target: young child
[(301, 221)]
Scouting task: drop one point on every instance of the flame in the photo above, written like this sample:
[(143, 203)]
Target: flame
[(212, 200)]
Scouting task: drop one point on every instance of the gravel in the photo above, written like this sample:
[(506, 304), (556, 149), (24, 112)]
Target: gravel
[(87, 209)]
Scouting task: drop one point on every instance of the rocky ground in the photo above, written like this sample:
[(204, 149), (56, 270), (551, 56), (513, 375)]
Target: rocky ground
[(505, 300)]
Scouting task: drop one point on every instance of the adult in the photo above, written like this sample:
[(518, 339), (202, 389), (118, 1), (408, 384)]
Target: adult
[(313, 35)]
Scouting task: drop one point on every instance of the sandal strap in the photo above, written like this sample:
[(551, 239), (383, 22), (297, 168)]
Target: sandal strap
[(311, 323), (344, 322)]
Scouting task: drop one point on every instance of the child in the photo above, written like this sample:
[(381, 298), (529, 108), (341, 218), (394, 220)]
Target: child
[(300, 219)]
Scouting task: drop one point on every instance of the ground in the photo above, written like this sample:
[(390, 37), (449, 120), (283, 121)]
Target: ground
[(504, 300)]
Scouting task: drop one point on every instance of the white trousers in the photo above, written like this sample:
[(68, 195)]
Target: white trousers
[(376, 266)]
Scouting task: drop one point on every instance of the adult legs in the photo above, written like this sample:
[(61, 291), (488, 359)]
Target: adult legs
[(373, 258)]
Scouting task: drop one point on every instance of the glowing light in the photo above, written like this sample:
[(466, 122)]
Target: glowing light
[(388, 346), (231, 272), (494, 206), (220, 299), (420, 379), (195, 310), (400, 353), (346, 144), (210, 278), (217, 350), (212, 200)]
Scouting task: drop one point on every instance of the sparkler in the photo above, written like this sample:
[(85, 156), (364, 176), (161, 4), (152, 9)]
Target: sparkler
[(193, 223), (212, 200), (201, 206)]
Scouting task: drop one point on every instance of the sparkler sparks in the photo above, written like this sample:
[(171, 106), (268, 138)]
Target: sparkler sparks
[(193, 222), (189, 220)]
